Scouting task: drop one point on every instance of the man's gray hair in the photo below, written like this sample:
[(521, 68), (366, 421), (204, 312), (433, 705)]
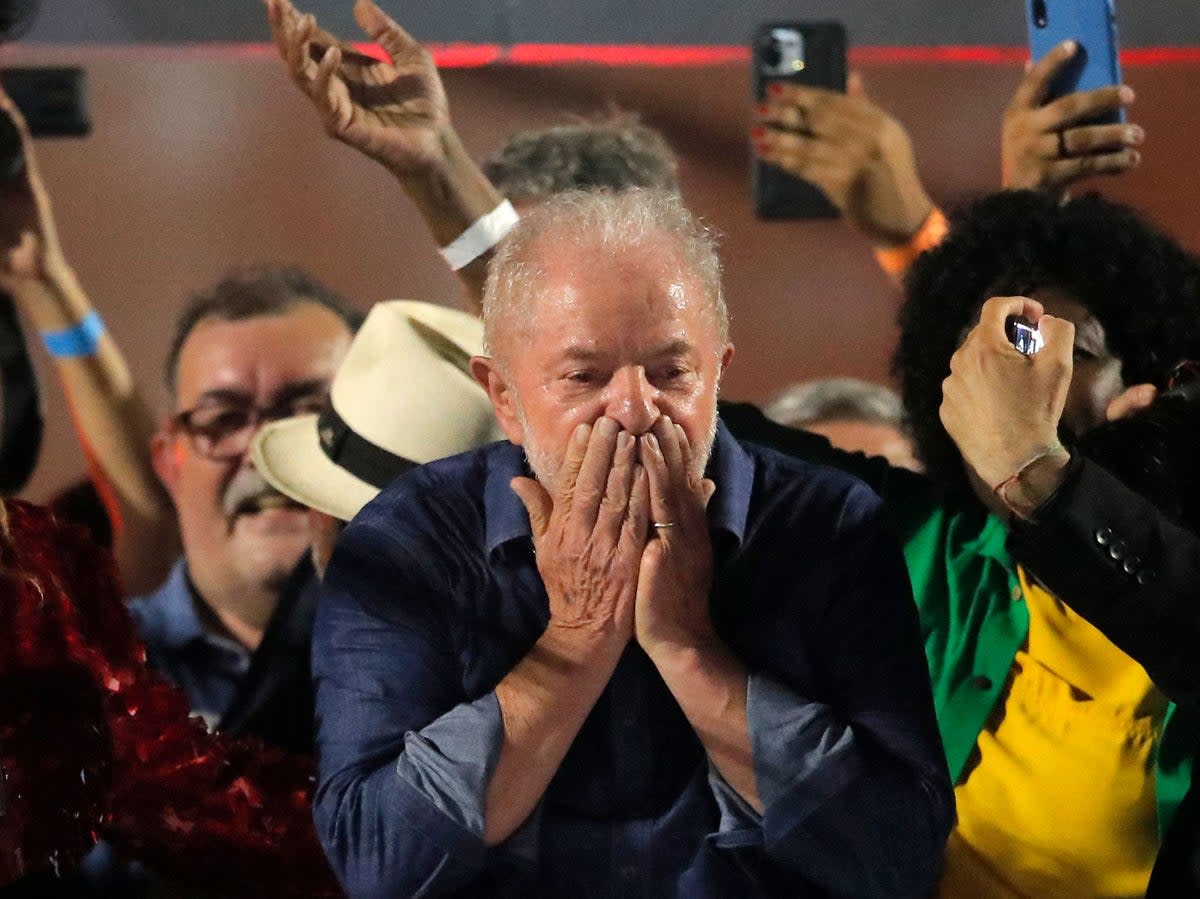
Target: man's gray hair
[(618, 152), (840, 399), (613, 222)]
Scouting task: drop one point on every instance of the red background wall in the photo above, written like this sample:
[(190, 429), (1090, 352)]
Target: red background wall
[(204, 159)]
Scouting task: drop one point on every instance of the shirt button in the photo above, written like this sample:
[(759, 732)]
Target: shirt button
[(1117, 550), (1146, 575), (981, 682), (1104, 536), (1132, 564)]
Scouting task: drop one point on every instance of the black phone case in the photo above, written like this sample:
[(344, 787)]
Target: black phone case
[(778, 195), (53, 100)]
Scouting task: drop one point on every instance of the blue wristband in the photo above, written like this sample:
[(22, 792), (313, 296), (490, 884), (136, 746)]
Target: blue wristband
[(81, 339)]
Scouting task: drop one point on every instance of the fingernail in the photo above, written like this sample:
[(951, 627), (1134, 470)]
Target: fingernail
[(624, 441), (607, 426), (651, 442), (762, 108), (1134, 135), (758, 133), (1126, 93), (1070, 46), (581, 431), (775, 90)]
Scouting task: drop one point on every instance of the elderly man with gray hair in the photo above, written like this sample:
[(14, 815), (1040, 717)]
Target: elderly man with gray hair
[(855, 415), (621, 653)]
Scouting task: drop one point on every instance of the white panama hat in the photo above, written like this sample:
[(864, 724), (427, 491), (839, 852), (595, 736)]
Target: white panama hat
[(403, 396)]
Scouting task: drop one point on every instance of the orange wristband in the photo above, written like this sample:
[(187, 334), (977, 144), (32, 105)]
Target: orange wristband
[(896, 261)]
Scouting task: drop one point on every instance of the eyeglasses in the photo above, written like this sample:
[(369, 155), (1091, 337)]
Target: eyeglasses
[(222, 430)]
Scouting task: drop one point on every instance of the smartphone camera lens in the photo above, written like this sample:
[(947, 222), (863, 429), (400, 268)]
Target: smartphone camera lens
[(781, 52), (769, 52), (1039, 13)]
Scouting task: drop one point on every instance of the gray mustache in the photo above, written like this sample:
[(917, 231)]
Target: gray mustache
[(246, 491)]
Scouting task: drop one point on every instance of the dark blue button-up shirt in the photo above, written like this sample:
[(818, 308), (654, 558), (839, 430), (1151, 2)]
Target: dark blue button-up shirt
[(433, 596)]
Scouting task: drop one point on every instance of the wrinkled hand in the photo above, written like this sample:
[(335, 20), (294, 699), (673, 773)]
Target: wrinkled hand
[(1031, 155), (1002, 408), (675, 579), (394, 111), (589, 536), (29, 245), (861, 157)]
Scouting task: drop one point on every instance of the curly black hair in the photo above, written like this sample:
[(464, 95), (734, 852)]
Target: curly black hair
[(1140, 284)]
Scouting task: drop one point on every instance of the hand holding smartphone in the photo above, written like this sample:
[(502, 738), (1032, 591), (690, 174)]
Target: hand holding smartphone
[(805, 53)]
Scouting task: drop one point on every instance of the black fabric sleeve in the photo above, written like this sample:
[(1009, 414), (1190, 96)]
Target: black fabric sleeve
[(1114, 558)]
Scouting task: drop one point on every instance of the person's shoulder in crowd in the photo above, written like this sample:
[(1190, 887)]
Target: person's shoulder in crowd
[(790, 455), (426, 519), (155, 614), (441, 497)]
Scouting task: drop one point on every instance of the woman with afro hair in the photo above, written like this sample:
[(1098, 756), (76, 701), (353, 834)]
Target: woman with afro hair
[(1068, 760)]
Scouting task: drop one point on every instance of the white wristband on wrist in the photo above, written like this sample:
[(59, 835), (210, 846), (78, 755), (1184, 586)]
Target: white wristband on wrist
[(485, 232)]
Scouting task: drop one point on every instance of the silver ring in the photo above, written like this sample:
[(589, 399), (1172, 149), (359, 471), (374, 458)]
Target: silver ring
[(659, 525)]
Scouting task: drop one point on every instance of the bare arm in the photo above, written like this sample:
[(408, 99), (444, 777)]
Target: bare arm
[(394, 112), (112, 418)]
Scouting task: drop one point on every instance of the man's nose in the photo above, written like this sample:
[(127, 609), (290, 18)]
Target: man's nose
[(633, 400)]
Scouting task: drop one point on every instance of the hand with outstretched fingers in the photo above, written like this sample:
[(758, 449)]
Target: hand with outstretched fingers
[(393, 110), (1048, 146)]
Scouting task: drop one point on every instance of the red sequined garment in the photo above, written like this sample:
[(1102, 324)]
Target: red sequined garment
[(94, 745)]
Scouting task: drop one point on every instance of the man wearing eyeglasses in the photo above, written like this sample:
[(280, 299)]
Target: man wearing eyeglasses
[(261, 345)]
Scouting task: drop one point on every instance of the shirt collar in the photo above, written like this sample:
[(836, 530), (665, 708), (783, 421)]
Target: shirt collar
[(731, 468), (179, 615)]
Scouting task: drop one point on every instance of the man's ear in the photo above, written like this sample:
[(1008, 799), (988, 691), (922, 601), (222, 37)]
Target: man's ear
[(166, 454), (726, 357), (488, 374)]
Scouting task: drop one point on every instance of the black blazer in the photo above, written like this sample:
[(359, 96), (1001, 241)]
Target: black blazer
[(1136, 576)]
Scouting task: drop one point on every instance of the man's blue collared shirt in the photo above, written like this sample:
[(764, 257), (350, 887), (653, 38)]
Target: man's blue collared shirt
[(206, 666), (433, 596)]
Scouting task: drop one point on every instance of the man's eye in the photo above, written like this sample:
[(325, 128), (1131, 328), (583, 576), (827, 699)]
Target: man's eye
[(670, 373), (1084, 355), (306, 406), (219, 422), (581, 377)]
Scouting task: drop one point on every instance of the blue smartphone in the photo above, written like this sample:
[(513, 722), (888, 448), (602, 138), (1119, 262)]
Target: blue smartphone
[(1092, 24)]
